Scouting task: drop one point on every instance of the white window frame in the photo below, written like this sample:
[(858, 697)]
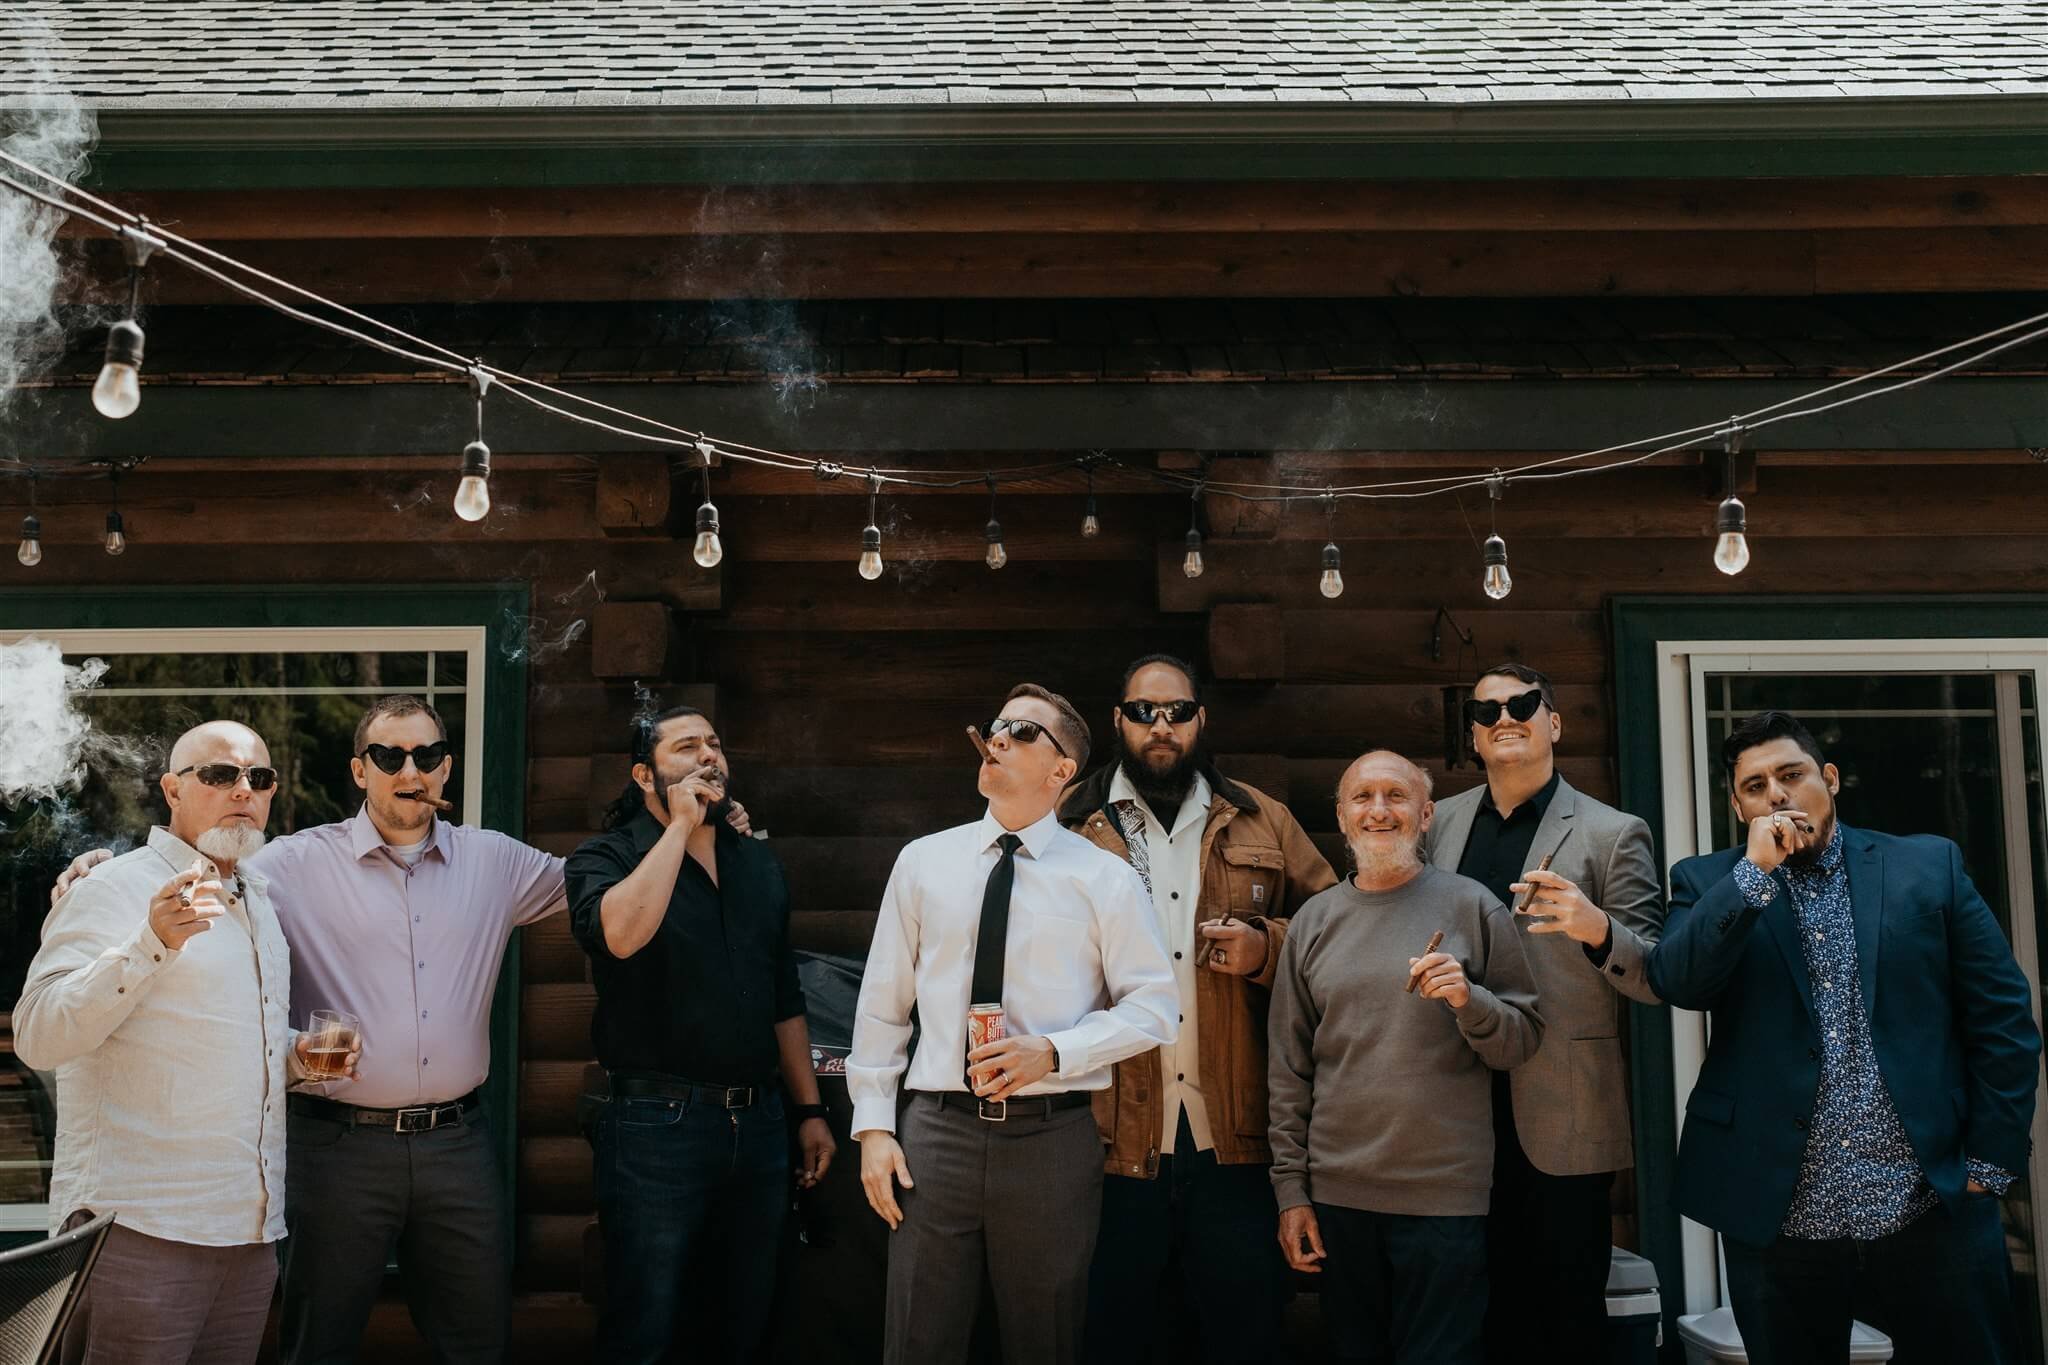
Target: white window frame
[(469, 641), (1682, 669)]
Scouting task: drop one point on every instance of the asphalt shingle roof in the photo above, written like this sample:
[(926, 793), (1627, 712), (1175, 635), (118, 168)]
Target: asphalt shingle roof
[(253, 54)]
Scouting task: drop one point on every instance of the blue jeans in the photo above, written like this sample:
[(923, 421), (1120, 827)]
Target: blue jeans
[(678, 1185)]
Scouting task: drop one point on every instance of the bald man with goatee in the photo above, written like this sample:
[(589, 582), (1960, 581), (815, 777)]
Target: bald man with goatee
[(1399, 991), (159, 998)]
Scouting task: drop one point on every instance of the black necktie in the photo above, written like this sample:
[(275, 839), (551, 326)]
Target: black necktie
[(994, 934)]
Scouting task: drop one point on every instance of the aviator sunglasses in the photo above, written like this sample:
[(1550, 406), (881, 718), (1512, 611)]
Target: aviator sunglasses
[(1521, 707), (391, 759), (1145, 712), (228, 774), (1023, 731)]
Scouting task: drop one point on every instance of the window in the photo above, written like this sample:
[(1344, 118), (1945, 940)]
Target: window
[(302, 689)]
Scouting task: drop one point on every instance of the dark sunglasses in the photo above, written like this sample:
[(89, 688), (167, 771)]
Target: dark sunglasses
[(1146, 712), (390, 759), (1487, 713), (228, 774), (1023, 731)]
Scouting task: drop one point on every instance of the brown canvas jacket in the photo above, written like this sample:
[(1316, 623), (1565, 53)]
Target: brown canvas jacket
[(1249, 840)]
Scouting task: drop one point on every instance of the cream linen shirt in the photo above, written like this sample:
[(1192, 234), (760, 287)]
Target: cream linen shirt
[(171, 1065), (1175, 858), (1083, 965)]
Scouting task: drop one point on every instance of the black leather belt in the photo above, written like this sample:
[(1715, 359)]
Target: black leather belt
[(1002, 1111), (652, 1085), (419, 1118)]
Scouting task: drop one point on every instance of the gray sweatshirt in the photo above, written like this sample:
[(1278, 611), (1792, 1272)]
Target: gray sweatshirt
[(1382, 1100)]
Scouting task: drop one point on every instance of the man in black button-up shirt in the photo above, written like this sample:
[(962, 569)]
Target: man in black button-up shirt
[(698, 1009)]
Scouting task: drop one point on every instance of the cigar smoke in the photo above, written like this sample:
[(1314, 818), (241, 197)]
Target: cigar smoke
[(45, 125), (46, 740)]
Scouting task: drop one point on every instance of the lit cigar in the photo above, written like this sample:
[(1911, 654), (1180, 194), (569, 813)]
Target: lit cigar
[(980, 744), (1436, 941), (1804, 827), (436, 802), (1529, 896), (198, 869)]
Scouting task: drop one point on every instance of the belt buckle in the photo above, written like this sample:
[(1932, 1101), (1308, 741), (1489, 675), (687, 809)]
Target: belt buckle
[(732, 1090), (993, 1111), (404, 1125)]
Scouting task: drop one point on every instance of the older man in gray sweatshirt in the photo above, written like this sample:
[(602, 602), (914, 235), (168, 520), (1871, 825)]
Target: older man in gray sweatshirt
[(1382, 1037)]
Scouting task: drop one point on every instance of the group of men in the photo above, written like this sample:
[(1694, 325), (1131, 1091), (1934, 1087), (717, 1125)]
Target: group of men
[(1128, 1024)]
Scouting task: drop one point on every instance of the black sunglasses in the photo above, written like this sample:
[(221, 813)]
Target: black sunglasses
[(1487, 713), (1023, 731), (425, 758), (1146, 712), (228, 774)]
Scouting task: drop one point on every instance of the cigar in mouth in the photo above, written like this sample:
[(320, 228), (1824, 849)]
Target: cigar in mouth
[(980, 744), (1436, 941), (1803, 826), (436, 802), (1529, 896)]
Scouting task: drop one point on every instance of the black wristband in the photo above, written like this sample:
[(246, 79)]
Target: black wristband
[(803, 1113)]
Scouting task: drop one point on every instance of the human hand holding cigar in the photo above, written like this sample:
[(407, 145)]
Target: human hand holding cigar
[(1439, 975), (1778, 835), (1556, 905), (186, 905), (689, 799), (1233, 946)]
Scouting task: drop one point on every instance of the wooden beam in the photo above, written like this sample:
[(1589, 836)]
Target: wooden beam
[(633, 494), (1247, 642), (631, 640)]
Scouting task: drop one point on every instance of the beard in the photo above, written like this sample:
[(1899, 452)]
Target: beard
[(230, 843), (1162, 787), (665, 778), (1380, 862)]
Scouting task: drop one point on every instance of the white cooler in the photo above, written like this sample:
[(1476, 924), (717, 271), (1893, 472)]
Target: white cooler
[(1711, 1339)]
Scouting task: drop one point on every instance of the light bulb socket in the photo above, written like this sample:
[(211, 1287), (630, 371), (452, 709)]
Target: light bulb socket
[(115, 526), (1496, 552), (476, 460), (995, 531), (871, 539), (31, 527), (707, 518), (124, 343), (1194, 541), (1333, 558), (1732, 518)]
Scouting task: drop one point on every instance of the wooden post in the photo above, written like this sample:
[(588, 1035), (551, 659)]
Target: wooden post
[(633, 494), (631, 640)]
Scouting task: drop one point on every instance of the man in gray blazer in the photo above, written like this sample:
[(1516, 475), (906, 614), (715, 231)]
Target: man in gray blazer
[(1561, 1121)]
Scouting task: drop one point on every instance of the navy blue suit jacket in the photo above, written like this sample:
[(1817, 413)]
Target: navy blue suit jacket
[(1950, 1019)]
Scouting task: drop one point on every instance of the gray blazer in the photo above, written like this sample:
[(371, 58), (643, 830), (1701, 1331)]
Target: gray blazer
[(1571, 1099)]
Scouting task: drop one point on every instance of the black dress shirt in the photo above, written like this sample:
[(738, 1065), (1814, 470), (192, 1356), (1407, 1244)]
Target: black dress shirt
[(1497, 851), (701, 999)]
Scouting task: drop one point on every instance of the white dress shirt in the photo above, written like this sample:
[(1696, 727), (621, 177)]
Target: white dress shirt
[(1174, 861), (1084, 965), (171, 1065)]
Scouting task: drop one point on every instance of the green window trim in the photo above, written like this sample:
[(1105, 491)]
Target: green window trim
[(497, 608), (1636, 625)]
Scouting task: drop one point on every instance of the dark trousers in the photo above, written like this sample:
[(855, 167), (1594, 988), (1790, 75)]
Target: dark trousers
[(1404, 1289), (354, 1196), (1220, 1223), (683, 1184), (1018, 1202), (1560, 1223), (1940, 1288), (155, 1302)]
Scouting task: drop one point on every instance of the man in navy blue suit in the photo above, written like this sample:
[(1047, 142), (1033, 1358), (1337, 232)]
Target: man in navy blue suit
[(1870, 1084)]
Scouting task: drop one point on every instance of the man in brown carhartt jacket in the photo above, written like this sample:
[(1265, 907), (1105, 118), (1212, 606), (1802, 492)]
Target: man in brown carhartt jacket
[(1186, 1126)]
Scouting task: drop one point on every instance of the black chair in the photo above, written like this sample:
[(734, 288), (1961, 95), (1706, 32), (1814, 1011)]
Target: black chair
[(40, 1285)]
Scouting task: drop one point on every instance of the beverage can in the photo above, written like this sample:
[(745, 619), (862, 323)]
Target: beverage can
[(985, 1025)]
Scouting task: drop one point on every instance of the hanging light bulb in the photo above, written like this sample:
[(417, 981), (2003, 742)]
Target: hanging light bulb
[(118, 390), (871, 535), (473, 494), (1731, 546), (709, 549), (1091, 525), (1333, 571), (1191, 563), (117, 534), (1498, 583), (997, 556), (30, 551)]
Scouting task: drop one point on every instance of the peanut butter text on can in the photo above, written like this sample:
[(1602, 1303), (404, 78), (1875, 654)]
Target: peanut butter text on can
[(985, 1025)]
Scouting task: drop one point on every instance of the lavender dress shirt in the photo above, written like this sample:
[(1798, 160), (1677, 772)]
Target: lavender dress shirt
[(413, 952)]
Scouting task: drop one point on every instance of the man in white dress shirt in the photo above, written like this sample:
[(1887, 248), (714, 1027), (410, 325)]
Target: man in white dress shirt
[(998, 1170), (159, 997)]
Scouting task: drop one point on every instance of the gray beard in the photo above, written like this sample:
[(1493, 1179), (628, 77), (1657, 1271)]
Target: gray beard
[(1379, 865), (230, 845)]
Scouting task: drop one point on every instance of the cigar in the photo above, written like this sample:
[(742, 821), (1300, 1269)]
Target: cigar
[(436, 802), (980, 744), (1529, 896), (1436, 941), (198, 869)]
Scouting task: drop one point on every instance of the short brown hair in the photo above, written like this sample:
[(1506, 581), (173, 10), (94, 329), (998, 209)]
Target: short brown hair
[(1523, 673), (1073, 731), (398, 704)]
